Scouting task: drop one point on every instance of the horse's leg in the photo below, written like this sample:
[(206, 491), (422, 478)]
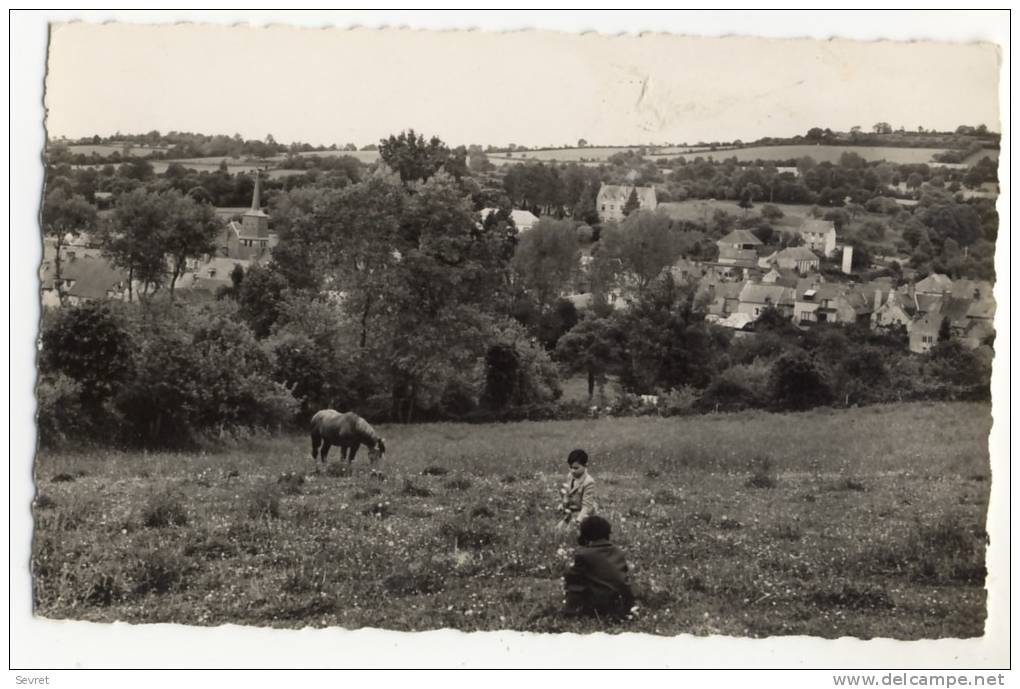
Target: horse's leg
[(354, 451), (325, 450), (316, 441)]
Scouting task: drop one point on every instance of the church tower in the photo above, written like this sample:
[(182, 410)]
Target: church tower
[(254, 222)]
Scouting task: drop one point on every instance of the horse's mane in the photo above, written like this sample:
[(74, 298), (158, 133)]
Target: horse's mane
[(365, 429)]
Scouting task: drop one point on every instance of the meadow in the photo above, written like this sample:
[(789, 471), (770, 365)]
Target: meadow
[(824, 154), (863, 522), (110, 149), (702, 210)]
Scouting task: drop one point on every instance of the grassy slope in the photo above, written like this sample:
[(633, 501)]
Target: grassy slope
[(873, 528)]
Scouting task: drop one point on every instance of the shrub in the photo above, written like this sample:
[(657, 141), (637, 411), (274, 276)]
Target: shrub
[(44, 502), (796, 384), (414, 491), (679, 401), (787, 532), (850, 484), (60, 416), (435, 470), (853, 598), (198, 373), (725, 394), (379, 509), (158, 571), (366, 493), (164, 510), (264, 503), (91, 346), (290, 483), (481, 511), (762, 473), (338, 469), (468, 536), (943, 552), (410, 584), (103, 586), (457, 484)]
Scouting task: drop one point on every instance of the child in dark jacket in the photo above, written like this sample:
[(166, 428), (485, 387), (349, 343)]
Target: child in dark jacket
[(598, 583)]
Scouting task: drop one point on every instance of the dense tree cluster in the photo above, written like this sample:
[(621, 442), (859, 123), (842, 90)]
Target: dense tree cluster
[(390, 294)]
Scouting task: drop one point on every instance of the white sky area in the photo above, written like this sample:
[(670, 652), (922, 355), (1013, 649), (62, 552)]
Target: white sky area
[(531, 88)]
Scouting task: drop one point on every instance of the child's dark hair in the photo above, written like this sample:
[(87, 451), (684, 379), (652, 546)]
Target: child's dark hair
[(594, 528), (579, 457)]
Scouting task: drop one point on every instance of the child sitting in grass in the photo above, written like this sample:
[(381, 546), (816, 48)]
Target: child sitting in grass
[(578, 493), (598, 583)]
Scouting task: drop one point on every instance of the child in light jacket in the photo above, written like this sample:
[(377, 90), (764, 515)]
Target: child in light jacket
[(578, 492)]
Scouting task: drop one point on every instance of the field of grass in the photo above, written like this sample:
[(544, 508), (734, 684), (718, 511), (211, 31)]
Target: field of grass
[(823, 154), (863, 522), (701, 210), (109, 149), (363, 156)]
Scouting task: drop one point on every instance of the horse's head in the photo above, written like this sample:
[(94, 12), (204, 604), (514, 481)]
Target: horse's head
[(376, 451)]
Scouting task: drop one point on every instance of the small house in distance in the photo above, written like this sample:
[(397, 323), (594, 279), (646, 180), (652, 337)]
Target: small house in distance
[(523, 220), (819, 235), (797, 258), (612, 198)]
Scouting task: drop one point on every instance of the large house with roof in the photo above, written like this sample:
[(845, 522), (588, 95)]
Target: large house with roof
[(84, 276), (739, 249), (891, 312), (796, 258), (819, 235), (830, 302), (935, 284), (756, 297), (612, 198)]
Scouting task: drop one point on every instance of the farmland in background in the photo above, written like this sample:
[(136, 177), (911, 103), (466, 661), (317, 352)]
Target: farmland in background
[(822, 154), (861, 522), (109, 149), (701, 211)]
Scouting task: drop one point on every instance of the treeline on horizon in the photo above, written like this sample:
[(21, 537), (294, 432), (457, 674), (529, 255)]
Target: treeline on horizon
[(181, 145)]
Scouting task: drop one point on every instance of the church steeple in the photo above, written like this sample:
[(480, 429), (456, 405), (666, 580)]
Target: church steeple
[(256, 197), (254, 221)]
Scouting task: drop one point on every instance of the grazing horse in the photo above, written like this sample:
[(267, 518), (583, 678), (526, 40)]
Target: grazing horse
[(349, 431)]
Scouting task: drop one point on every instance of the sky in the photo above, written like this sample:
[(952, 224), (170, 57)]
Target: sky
[(534, 88)]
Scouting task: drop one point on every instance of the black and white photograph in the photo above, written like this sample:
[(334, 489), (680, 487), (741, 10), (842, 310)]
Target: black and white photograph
[(618, 335)]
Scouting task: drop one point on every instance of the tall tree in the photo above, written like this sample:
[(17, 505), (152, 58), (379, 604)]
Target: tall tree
[(592, 347), (546, 259), (643, 244), (65, 216), (746, 200), (632, 202), (414, 158), (189, 232), (135, 239), (441, 295)]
